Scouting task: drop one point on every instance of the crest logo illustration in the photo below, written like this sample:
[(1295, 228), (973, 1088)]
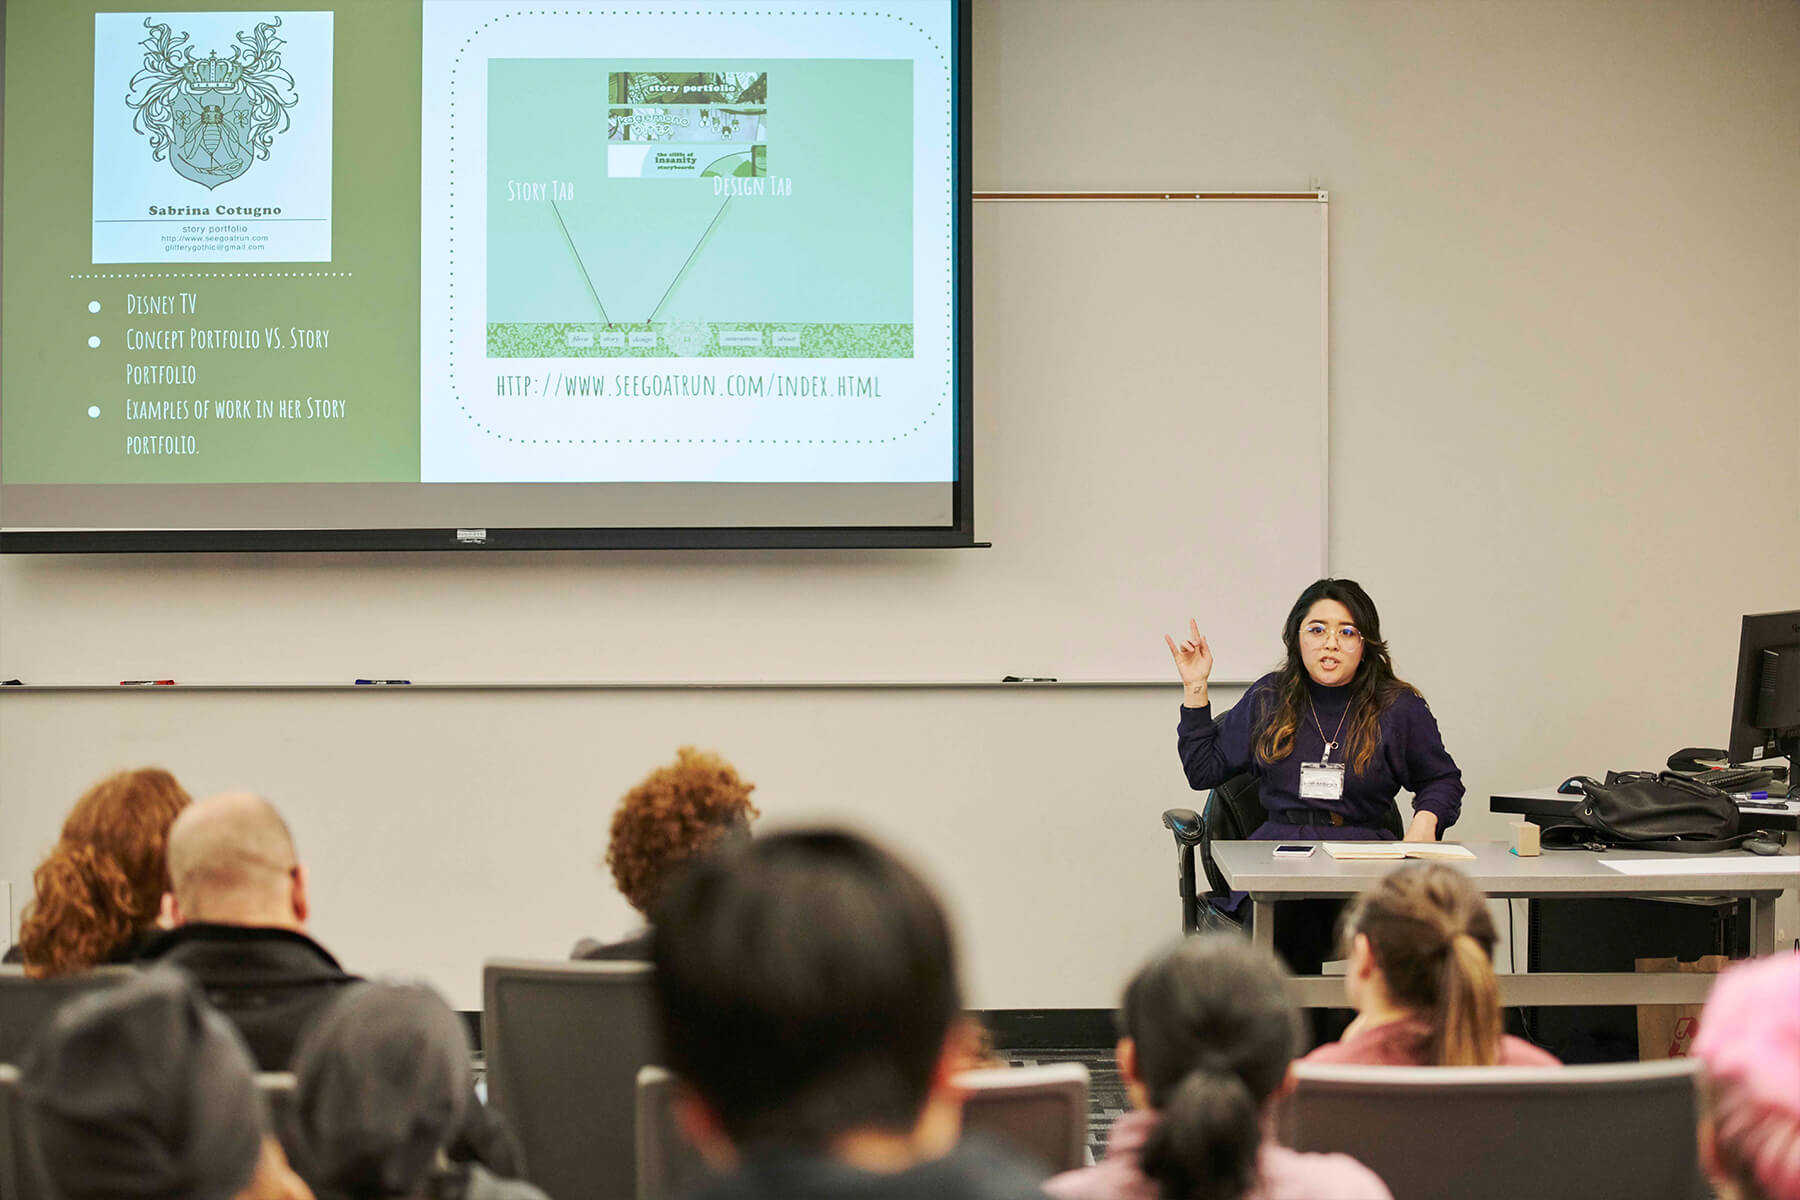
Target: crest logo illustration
[(212, 117)]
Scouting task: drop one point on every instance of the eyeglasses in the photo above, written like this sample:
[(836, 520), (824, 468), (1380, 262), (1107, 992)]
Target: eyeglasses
[(1315, 631)]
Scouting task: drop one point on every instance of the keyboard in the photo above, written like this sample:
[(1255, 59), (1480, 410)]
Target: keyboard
[(1735, 779)]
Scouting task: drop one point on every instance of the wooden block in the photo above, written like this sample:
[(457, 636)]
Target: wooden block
[(1525, 839)]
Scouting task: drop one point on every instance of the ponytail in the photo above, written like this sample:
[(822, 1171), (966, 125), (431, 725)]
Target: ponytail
[(83, 911), (1206, 1144), (1467, 1024), (1432, 937), (1212, 1032)]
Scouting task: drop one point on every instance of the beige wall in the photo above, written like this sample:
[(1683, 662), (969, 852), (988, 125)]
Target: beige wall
[(1565, 299)]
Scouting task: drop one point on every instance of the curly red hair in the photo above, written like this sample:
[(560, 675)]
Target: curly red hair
[(677, 812), (102, 883)]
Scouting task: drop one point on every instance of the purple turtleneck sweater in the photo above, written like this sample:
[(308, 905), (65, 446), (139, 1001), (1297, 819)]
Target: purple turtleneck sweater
[(1411, 756)]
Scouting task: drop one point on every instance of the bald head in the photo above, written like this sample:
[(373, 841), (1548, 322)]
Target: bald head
[(232, 862)]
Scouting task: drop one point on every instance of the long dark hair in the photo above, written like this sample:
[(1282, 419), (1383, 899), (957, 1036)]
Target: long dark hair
[(1371, 690), (1214, 1033), (1433, 937)]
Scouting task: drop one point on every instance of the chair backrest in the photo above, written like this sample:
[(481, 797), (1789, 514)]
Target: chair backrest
[(278, 1092), (21, 1178), (668, 1166), (1040, 1113), (26, 1005), (1231, 813), (564, 1042), (1498, 1133)]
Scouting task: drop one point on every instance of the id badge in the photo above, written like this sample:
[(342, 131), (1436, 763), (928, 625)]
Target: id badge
[(1321, 781)]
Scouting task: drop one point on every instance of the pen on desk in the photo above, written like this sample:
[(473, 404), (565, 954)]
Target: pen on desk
[(1028, 679), (146, 683), (1749, 795), (382, 682)]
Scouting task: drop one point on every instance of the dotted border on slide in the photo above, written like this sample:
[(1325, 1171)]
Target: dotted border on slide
[(450, 285), (218, 275)]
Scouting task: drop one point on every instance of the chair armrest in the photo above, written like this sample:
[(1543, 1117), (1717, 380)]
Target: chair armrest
[(1185, 824)]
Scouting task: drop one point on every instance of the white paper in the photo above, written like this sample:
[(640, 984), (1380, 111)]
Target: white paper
[(1698, 865), (1398, 850)]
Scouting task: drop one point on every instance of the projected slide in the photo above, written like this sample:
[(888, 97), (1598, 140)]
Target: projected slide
[(475, 242)]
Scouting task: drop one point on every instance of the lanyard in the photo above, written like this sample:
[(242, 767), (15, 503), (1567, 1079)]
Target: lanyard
[(1331, 743)]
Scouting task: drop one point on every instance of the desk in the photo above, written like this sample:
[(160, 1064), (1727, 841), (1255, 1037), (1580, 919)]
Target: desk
[(1547, 806), (1251, 867)]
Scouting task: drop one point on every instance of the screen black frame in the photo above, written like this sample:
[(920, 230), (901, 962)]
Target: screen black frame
[(959, 533), (1760, 631)]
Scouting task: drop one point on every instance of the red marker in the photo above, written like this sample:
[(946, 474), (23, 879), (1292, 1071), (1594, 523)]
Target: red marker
[(146, 683)]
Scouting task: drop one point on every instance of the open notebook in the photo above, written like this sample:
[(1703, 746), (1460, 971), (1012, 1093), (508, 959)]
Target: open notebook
[(1397, 850)]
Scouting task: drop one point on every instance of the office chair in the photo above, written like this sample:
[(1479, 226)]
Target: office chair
[(667, 1165), (564, 1042), (27, 1005), (1231, 812), (1038, 1113), (21, 1176), (277, 1089), (1499, 1133)]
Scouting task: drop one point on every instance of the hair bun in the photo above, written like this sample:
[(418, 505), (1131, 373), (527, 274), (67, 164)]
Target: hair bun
[(1212, 1062)]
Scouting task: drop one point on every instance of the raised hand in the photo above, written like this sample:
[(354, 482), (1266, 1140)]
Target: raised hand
[(1194, 662)]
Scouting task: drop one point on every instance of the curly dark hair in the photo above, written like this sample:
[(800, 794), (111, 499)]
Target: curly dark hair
[(102, 883), (677, 812)]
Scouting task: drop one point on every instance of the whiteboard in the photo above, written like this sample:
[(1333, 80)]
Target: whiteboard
[(1152, 414), (1150, 441)]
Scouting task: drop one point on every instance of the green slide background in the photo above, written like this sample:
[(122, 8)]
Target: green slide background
[(50, 377), (838, 250)]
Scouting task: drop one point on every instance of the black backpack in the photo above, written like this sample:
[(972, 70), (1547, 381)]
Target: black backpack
[(1644, 810)]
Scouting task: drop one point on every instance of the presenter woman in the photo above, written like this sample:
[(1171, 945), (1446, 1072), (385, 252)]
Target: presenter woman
[(1332, 737)]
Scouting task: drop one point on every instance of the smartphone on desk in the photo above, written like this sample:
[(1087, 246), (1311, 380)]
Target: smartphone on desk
[(1295, 849)]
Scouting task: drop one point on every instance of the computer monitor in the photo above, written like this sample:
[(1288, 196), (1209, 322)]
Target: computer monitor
[(1765, 709)]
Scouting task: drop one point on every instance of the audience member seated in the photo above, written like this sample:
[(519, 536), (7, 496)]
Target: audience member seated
[(1207, 1036), (383, 1087), (142, 1090), (1420, 946), (239, 905), (1749, 1048), (677, 812), (807, 996), (98, 892)]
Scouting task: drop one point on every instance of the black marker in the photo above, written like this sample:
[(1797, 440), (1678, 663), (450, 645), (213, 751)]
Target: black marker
[(382, 682), (12, 683), (1029, 679)]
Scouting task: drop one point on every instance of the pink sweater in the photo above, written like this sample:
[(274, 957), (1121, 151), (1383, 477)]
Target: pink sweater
[(1282, 1174), (1405, 1043)]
